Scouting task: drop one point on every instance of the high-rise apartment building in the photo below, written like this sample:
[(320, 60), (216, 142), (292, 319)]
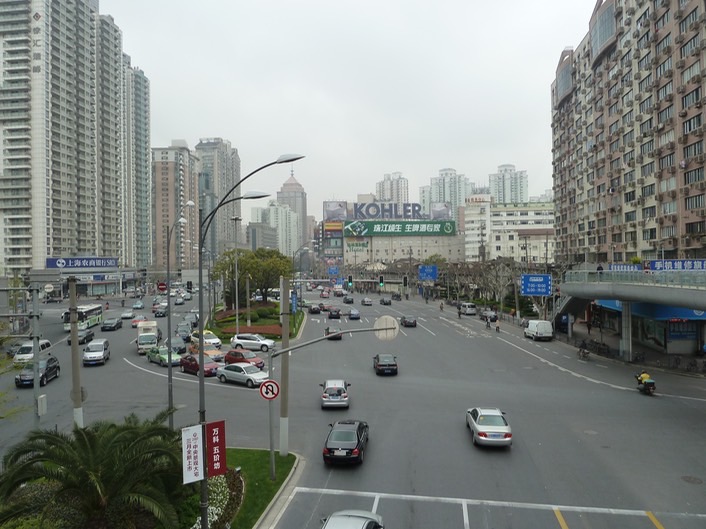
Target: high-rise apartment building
[(509, 186), (173, 169), (627, 132), (285, 221), (448, 188), (219, 172), (137, 169), (392, 188), (293, 195), (63, 158)]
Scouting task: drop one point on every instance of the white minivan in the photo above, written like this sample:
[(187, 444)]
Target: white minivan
[(539, 330), (469, 309), (26, 351)]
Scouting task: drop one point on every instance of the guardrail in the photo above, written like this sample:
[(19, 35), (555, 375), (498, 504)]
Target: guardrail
[(692, 279)]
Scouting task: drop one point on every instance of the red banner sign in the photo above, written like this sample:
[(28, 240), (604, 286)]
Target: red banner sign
[(216, 448)]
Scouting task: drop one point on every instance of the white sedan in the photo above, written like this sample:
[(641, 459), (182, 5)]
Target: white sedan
[(242, 373), (488, 427), (254, 342), (367, 302)]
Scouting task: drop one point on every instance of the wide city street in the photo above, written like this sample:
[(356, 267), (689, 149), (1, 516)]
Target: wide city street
[(589, 450)]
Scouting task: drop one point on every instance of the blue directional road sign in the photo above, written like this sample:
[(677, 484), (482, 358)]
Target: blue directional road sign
[(333, 270), (536, 285), (428, 273)]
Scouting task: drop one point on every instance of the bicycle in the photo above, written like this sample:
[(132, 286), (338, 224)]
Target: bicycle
[(692, 366), (582, 354)]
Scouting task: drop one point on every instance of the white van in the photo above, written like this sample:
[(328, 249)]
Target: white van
[(26, 351), (539, 330), (96, 352), (469, 309)]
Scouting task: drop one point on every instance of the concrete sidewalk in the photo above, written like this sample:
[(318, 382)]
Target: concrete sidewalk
[(606, 343)]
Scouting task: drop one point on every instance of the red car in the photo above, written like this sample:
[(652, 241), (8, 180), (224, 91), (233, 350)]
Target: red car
[(324, 294), (190, 364), (243, 355)]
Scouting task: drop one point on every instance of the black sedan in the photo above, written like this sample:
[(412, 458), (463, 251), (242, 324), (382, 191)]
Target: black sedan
[(385, 364), (161, 312), (84, 336), (347, 300), (408, 321), (112, 324), (385, 301), (48, 369), (334, 314), (314, 309), (346, 442)]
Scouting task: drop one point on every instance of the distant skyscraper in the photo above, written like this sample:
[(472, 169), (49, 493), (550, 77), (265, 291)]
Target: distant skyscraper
[(448, 188), (293, 195), (285, 221), (220, 171), (173, 168), (509, 186), (392, 188)]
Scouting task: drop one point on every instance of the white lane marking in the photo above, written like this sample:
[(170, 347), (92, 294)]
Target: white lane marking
[(495, 503), (403, 332), (376, 501), (594, 380), (428, 330), (466, 523)]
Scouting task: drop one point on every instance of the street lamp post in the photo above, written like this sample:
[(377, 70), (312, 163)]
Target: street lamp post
[(170, 379), (204, 224), (237, 301)]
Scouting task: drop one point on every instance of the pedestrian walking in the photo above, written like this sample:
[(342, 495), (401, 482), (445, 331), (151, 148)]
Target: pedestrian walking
[(588, 327), (497, 325)]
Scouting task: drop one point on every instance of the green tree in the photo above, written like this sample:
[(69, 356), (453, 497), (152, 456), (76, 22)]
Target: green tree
[(265, 266), (435, 259), (109, 474)]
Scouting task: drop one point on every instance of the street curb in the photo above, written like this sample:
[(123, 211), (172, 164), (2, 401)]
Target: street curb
[(274, 510)]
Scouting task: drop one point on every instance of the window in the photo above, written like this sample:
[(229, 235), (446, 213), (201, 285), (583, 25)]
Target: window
[(694, 202), (695, 175), (646, 105), (647, 169), (694, 149), (649, 212), (665, 90), (664, 115), (690, 46), (666, 161), (647, 147), (631, 216), (691, 98), (691, 124), (687, 20), (662, 68), (649, 234)]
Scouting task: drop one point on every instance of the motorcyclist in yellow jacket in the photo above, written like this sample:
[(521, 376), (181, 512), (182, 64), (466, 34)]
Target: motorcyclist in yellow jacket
[(642, 377)]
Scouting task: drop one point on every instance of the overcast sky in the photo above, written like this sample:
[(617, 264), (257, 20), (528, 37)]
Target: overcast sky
[(362, 88)]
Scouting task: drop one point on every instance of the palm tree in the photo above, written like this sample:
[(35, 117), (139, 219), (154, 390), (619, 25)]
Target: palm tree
[(108, 472)]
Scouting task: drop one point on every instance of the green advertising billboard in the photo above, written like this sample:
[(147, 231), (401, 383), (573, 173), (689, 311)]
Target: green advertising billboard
[(392, 228)]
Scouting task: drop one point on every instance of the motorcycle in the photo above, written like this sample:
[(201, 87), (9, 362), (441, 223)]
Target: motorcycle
[(648, 387)]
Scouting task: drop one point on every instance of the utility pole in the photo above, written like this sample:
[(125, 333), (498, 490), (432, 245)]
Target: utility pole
[(284, 306), (35, 351), (76, 390)]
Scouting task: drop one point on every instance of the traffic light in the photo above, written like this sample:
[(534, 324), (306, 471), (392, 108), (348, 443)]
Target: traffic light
[(382, 281), (189, 286), (350, 281), (404, 281)]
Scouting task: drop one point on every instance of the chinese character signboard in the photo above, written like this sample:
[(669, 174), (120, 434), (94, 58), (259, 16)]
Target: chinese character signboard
[(191, 454), (428, 273), (536, 285), (370, 228), (681, 265), (333, 270), (82, 262), (624, 267), (216, 448)]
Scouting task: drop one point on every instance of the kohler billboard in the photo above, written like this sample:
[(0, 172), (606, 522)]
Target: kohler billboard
[(384, 210)]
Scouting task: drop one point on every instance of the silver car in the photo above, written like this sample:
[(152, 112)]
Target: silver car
[(335, 394), (353, 519), (254, 342), (242, 373), (488, 427)]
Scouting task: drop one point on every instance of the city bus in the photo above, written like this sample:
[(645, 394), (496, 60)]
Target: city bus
[(87, 316)]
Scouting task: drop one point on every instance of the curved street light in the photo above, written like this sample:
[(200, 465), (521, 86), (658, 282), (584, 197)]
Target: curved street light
[(170, 379), (204, 224)]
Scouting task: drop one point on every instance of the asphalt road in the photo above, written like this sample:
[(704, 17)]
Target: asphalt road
[(589, 451)]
